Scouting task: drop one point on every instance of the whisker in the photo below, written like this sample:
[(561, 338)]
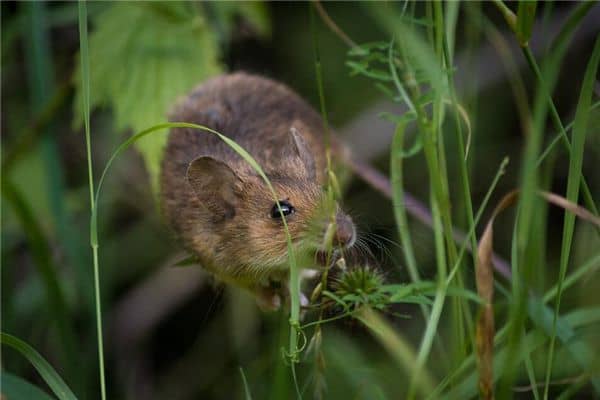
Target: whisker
[(390, 241)]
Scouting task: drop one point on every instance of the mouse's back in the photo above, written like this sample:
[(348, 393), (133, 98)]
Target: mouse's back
[(257, 113)]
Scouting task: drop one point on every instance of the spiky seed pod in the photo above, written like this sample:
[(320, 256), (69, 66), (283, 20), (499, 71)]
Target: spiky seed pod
[(358, 286), (358, 280)]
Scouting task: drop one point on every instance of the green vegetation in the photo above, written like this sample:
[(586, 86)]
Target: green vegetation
[(502, 145)]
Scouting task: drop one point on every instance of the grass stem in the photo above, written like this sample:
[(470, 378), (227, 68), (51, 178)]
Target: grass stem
[(85, 76)]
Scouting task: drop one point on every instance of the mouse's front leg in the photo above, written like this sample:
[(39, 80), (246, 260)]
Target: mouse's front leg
[(268, 297), (272, 294)]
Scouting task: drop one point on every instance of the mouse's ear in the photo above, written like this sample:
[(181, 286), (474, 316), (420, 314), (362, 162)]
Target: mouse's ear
[(303, 152), (216, 185)]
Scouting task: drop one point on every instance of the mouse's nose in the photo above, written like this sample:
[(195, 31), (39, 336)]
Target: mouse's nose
[(345, 234)]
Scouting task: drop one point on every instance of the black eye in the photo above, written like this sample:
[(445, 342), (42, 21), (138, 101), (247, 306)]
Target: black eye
[(286, 209)]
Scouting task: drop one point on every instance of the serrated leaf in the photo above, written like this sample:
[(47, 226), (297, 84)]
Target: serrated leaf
[(143, 56)]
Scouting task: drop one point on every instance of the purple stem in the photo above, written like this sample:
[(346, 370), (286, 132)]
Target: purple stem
[(417, 209)]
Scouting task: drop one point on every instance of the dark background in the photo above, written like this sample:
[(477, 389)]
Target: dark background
[(170, 332)]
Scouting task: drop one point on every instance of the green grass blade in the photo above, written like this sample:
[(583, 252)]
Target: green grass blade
[(587, 195), (560, 46), (436, 310), (572, 390), (398, 203), (588, 267), (525, 20), (462, 309), (45, 267), (247, 394), (397, 345), (54, 381), (571, 322), (85, 81), (466, 387), (575, 166), (168, 125), (531, 375), (14, 387), (565, 330), (294, 283), (559, 136), (528, 221), (39, 57), (509, 16), (482, 207)]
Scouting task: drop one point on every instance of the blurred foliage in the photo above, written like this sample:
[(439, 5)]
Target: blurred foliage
[(170, 333), (135, 49), (147, 54)]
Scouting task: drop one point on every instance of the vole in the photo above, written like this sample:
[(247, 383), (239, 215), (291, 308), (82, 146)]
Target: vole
[(221, 209)]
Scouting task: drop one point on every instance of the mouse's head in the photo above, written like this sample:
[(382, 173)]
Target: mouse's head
[(249, 222)]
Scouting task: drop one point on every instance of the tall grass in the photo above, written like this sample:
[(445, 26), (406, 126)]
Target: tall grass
[(526, 255), (576, 161), (416, 68), (85, 82)]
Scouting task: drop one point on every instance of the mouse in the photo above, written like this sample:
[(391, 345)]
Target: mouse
[(222, 211)]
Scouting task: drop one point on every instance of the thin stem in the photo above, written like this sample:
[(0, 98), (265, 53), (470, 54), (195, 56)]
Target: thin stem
[(85, 77), (332, 25)]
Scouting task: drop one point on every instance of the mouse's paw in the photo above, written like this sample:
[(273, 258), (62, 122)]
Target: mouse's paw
[(307, 274), (268, 299)]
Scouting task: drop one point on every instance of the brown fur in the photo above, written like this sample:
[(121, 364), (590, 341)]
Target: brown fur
[(213, 199)]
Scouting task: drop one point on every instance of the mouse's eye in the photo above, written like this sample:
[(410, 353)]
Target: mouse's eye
[(286, 209)]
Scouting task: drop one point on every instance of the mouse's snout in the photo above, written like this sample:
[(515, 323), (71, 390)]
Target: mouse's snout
[(345, 234)]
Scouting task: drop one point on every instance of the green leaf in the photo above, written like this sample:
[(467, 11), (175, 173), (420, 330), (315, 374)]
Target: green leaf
[(143, 56), (525, 20), (14, 387), (50, 376)]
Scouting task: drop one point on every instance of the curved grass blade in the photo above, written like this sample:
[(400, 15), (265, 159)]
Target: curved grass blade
[(46, 268), (570, 323), (14, 387), (397, 345), (560, 44), (167, 125), (85, 84), (466, 387), (50, 376), (247, 394), (588, 267), (399, 204), (294, 283), (558, 136), (525, 20)]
